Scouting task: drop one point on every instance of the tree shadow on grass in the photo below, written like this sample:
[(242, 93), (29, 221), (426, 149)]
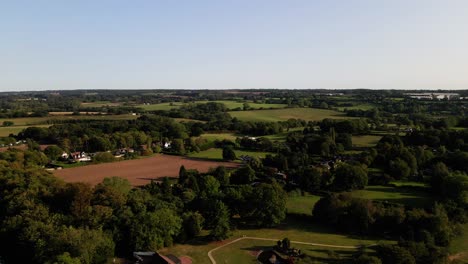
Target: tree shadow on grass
[(199, 241), (409, 196), (305, 223)]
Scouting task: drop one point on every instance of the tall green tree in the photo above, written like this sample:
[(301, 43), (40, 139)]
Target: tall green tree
[(228, 154), (350, 177)]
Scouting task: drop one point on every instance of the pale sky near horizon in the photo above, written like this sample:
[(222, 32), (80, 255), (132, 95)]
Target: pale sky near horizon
[(221, 44)]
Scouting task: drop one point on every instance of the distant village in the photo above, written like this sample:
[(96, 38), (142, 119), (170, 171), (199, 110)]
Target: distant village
[(435, 96)]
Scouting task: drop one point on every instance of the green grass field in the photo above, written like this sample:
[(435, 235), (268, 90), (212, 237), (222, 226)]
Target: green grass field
[(295, 228), (245, 251), (298, 204), (411, 197), (303, 230), (219, 136), (366, 140), (229, 104), (308, 114), (217, 154)]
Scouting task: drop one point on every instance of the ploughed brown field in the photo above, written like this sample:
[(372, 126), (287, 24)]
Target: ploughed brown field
[(139, 171)]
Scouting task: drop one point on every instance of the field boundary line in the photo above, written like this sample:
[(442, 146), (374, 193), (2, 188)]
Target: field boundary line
[(213, 261)]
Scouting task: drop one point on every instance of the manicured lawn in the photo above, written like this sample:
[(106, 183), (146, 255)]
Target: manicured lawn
[(366, 140), (298, 204), (407, 196), (196, 249), (217, 154), (245, 251), (308, 114)]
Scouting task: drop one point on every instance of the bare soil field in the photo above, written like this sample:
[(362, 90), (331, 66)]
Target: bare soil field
[(138, 172)]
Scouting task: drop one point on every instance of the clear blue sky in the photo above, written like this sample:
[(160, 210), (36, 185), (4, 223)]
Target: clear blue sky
[(113, 44)]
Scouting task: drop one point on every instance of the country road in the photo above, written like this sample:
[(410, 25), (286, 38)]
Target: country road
[(213, 261)]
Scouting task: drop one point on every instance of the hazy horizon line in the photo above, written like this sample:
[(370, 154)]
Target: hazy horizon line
[(231, 89)]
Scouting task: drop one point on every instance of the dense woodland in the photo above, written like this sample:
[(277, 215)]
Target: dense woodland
[(45, 220)]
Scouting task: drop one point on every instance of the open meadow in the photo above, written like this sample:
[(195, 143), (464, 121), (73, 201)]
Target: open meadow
[(219, 136), (366, 141), (308, 114), (228, 103), (301, 204), (296, 227), (403, 195), (245, 251)]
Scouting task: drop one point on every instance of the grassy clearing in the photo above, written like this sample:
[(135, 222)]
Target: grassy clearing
[(409, 183), (411, 197), (298, 204), (366, 140), (229, 104), (245, 251), (308, 114), (219, 136), (217, 154), (303, 230)]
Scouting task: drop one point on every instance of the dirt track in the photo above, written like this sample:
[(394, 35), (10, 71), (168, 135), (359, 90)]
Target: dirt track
[(139, 171)]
